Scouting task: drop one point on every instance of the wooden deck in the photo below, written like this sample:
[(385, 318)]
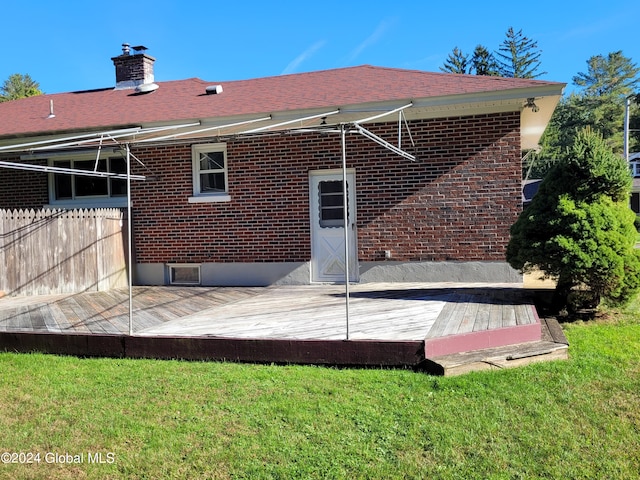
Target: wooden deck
[(443, 318)]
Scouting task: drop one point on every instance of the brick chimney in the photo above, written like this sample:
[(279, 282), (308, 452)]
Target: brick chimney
[(133, 70)]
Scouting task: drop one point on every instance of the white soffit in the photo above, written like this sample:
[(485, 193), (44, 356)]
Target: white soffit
[(533, 124)]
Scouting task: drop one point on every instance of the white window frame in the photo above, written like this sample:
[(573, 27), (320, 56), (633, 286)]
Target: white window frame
[(85, 201), (205, 197)]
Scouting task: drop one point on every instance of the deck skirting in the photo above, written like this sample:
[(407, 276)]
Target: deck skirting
[(347, 353), (464, 342)]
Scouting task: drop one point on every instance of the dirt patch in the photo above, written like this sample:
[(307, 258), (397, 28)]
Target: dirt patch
[(533, 280)]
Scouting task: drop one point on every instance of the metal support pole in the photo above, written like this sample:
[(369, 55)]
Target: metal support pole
[(345, 210), (129, 239), (626, 128)]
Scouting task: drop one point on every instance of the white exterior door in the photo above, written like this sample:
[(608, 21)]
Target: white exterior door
[(327, 226)]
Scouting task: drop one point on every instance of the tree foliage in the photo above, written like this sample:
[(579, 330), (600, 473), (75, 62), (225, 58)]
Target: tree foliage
[(484, 62), (614, 75), (19, 86), (518, 56), (579, 228), (599, 103), (456, 62)]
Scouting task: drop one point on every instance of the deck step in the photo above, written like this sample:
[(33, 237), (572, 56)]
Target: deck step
[(481, 340), (497, 358)]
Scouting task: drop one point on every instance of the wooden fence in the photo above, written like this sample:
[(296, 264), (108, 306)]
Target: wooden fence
[(57, 251)]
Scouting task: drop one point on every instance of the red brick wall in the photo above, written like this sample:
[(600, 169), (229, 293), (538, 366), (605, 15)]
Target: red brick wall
[(21, 189), (456, 202)]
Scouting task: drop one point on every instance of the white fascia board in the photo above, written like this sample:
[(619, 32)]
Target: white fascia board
[(437, 107), (491, 97), (422, 108)]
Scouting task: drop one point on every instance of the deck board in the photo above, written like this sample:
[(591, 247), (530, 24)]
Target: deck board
[(495, 317), (58, 316), (469, 317), (376, 311), (447, 315), (522, 315), (483, 318)]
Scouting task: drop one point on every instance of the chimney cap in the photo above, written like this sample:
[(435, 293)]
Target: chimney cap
[(139, 49)]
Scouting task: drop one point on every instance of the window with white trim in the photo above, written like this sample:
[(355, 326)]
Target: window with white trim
[(67, 189), (210, 182)]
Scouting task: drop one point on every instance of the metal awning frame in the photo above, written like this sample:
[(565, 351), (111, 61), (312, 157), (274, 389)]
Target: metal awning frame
[(87, 138), (90, 139)]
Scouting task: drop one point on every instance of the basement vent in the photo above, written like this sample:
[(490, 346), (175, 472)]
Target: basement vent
[(184, 274)]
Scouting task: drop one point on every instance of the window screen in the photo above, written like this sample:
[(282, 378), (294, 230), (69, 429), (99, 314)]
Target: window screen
[(331, 202), (212, 173)]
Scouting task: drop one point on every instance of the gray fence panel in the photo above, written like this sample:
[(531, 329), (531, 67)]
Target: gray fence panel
[(61, 251)]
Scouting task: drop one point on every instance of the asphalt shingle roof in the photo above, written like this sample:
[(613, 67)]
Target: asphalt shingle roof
[(185, 100)]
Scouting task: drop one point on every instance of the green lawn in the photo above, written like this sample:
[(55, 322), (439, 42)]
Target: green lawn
[(169, 419)]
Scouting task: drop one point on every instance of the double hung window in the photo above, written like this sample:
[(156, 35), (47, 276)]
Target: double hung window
[(210, 183)]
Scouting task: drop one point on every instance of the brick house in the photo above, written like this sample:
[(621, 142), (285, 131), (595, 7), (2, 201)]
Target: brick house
[(243, 179)]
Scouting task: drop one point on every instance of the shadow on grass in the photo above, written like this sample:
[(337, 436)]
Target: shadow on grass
[(546, 306)]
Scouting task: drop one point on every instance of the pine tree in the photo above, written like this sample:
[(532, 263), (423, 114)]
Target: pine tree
[(19, 86), (518, 56), (483, 62), (615, 74), (456, 62), (599, 103)]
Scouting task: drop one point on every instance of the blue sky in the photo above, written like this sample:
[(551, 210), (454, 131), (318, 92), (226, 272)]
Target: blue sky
[(68, 45)]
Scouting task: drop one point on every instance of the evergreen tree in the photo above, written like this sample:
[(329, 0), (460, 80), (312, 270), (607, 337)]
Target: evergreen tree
[(456, 62), (579, 228), (614, 74), (483, 62), (518, 56), (19, 86), (599, 104)]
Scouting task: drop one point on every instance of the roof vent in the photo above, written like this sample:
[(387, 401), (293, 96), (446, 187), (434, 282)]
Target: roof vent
[(147, 87), (214, 89)]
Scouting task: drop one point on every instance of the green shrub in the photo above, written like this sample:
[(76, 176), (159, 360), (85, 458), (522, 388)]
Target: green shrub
[(579, 228)]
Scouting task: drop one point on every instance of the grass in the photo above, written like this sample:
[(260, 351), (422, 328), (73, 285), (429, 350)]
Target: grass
[(169, 419)]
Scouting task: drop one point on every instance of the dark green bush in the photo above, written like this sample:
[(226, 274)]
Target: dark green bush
[(579, 228)]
